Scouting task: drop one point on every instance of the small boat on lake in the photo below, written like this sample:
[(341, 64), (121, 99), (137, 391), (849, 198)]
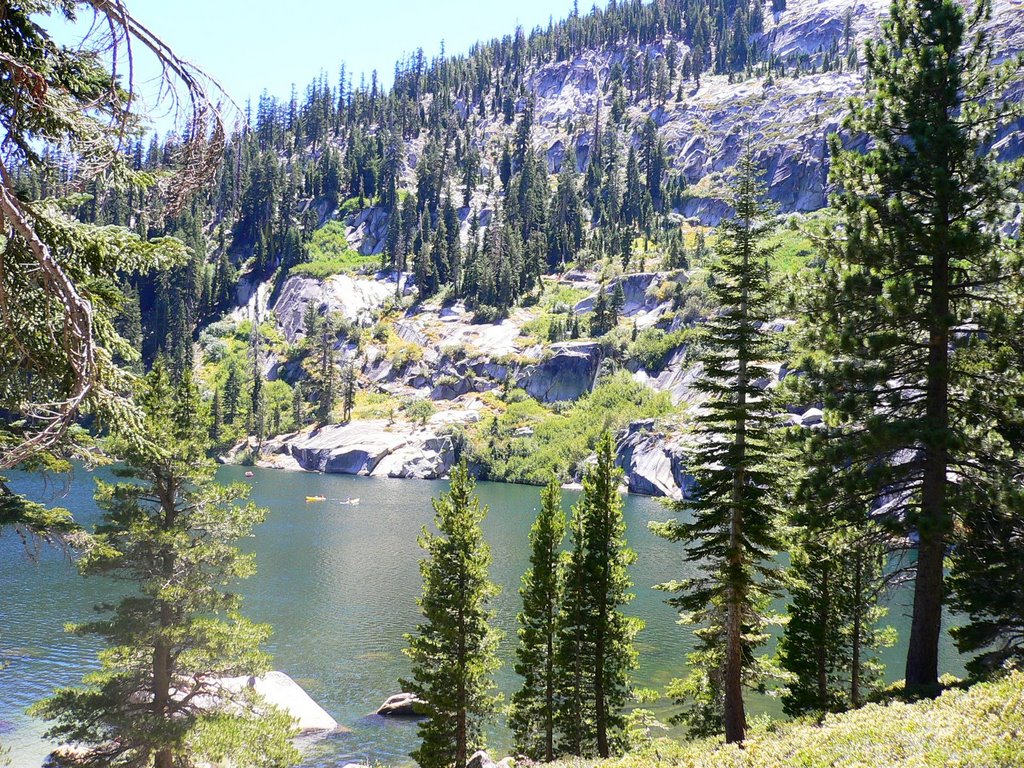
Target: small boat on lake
[(250, 474), (349, 502), (310, 499)]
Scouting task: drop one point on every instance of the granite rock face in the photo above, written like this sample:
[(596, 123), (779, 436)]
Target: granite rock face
[(567, 375), (374, 448), (654, 463), (354, 298)]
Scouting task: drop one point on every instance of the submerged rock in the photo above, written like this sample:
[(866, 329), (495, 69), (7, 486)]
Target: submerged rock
[(402, 705)]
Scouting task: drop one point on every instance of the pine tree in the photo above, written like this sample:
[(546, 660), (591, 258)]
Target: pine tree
[(453, 651), (298, 405), (832, 637), (574, 714), (216, 418), (987, 581), (348, 391), (595, 639), (232, 392), (171, 533), (917, 255), (532, 718), (733, 533)]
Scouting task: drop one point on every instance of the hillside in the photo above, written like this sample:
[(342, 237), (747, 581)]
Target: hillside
[(501, 242), (980, 726), (510, 380)]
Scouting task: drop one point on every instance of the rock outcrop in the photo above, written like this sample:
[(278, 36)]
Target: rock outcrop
[(402, 705), (653, 463), (354, 298), (374, 447), (568, 374)]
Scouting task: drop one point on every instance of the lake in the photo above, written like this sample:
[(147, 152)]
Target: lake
[(338, 584)]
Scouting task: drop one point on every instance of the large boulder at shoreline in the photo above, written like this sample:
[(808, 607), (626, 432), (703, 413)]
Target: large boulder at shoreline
[(276, 689), (567, 375), (653, 464), (280, 691), (372, 447), (402, 705)]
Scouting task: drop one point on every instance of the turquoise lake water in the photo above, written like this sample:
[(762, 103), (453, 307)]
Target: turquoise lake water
[(339, 585)]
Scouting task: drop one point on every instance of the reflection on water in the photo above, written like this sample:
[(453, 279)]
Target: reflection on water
[(339, 585)]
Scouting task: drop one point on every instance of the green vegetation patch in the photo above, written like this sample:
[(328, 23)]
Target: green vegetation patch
[(330, 254), (560, 442), (979, 726)]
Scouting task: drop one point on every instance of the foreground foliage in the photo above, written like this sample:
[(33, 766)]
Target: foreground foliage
[(980, 726), (170, 532), (453, 651)]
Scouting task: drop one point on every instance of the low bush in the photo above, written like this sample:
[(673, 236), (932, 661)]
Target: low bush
[(977, 727)]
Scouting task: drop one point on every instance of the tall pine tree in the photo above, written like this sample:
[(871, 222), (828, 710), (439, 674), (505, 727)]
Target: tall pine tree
[(921, 357), (595, 639), (170, 532), (532, 718), (732, 536), (453, 650)]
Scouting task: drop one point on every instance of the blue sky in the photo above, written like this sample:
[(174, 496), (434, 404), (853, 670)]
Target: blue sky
[(249, 45)]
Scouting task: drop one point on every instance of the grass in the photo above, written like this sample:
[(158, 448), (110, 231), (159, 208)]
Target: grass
[(330, 254), (978, 727)]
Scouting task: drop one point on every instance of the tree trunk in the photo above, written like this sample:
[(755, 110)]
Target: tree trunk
[(600, 713), (822, 660), (922, 674), (858, 610)]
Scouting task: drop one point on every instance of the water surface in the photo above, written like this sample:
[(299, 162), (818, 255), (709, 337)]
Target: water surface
[(339, 585)]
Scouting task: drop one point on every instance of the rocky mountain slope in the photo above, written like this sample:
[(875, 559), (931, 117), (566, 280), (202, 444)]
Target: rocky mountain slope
[(439, 352)]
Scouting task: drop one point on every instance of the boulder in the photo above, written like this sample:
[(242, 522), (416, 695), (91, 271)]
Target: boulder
[(280, 691), (354, 298), (567, 375), (402, 705), (480, 759), (369, 447), (653, 464)]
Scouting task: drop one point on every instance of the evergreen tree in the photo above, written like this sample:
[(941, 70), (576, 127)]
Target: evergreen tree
[(532, 718), (453, 651), (918, 254), (170, 532), (832, 637), (216, 418), (232, 392), (732, 537), (574, 713), (348, 391), (987, 581), (298, 405), (595, 639)]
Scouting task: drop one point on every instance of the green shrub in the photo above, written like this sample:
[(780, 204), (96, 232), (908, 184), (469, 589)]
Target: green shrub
[(561, 440), (979, 727), (418, 411), (653, 346), (330, 254)]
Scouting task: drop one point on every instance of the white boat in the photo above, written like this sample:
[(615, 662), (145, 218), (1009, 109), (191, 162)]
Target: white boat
[(349, 502)]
